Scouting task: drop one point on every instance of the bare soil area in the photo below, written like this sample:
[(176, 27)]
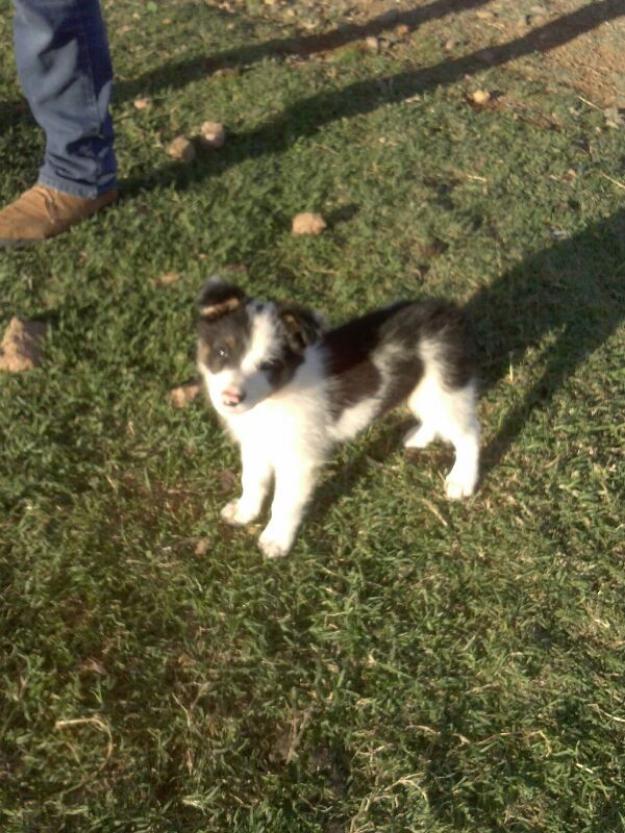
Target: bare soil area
[(579, 43)]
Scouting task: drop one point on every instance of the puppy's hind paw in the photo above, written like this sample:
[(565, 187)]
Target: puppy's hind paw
[(236, 515), (271, 548)]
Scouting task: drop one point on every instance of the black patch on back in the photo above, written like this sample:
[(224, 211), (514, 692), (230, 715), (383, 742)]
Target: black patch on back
[(352, 348), (446, 324)]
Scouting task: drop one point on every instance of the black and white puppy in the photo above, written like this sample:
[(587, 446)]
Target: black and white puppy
[(288, 390)]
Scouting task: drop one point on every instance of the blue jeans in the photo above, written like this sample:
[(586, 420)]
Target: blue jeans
[(64, 66)]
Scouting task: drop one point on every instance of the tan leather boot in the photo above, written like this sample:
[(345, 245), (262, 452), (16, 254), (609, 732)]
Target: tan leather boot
[(43, 212)]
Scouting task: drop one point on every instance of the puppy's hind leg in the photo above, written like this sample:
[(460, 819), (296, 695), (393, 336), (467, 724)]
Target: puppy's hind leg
[(420, 402), (460, 427), (450, 415), (255, 481)]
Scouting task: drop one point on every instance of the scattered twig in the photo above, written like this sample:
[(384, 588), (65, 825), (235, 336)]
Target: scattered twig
[(590, 103), (612, 180), (295, 734), (90, 721), (102, 726), (434, 511), (598, 708)]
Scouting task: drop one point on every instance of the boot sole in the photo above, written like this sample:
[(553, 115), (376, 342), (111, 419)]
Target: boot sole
[(8, 243)]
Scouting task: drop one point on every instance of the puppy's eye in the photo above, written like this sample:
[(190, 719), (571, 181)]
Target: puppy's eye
[(222, 353)]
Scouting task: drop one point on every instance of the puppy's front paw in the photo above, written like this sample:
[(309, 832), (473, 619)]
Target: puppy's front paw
[(458, 488), (271, 547), (235, 514)]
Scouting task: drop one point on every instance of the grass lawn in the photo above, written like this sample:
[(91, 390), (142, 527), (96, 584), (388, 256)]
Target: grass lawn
[(413, 665)]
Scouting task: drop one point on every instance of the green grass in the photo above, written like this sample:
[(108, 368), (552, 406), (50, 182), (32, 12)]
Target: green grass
[(412, 665)]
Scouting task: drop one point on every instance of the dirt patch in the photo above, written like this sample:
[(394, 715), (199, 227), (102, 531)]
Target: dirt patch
[(595, 63), (578, 43), (570, 41)]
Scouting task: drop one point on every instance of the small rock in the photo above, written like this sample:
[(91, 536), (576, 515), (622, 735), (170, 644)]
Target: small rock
[(372, 43), (142, 103), (450, 45), (479, 97), (181, 396), (181, 149), (167, 279), (201, 548), (308, 223), (20, 349), (212, 134)]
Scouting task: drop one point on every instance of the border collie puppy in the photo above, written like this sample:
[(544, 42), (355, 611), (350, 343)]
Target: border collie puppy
[(288, 390)]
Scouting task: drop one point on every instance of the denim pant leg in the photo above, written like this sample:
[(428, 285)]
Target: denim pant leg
[(64, 65)]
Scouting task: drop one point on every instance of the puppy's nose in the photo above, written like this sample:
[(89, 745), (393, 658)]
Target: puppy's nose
[(232, 397)]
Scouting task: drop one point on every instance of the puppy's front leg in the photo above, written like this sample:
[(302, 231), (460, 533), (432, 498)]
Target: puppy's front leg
[(293, 487), (255, 482)]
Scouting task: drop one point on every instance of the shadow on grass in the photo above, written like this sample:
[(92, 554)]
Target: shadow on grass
[(306, 117), (576, 289), (173, 76), (575, 286), (12, 110), (179, 74)]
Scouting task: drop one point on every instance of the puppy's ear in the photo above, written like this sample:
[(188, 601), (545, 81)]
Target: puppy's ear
[(303, 326), (217, 299)]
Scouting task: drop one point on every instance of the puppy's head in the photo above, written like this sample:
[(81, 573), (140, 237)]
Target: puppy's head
[(249, 349)]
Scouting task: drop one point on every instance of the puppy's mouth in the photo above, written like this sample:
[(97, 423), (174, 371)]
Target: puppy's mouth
[(234, 409), (235, 405)]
